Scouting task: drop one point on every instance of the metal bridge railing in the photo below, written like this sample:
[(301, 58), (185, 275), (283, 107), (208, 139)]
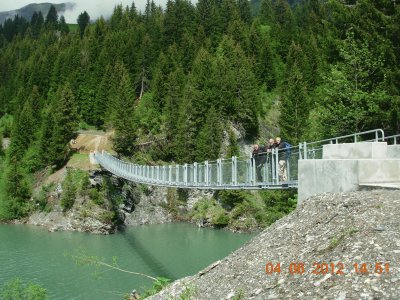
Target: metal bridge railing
[(263, 171), (313, 150), (393, 139), (276, 169)]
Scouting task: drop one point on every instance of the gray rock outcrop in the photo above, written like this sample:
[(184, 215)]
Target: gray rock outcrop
[(339, 230)]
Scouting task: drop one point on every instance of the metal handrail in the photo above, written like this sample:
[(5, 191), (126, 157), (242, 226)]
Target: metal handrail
[(354, 136), (394, 137)]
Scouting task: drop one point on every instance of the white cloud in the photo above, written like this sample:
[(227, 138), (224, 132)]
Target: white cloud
[(95, 8)]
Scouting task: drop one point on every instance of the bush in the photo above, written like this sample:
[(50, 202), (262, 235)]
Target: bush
[(158, 285), (96, 197), (16, 290), (107, 217), (219, 217), (232, 198), (209, 209)]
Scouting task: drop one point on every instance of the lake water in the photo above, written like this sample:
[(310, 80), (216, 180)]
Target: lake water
[(168, 250)]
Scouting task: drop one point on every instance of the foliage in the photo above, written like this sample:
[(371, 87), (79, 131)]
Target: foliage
[(6, 124), (180, 74), (69, 191), (17, 290), (231, 198), (158, 285), (83, 21)]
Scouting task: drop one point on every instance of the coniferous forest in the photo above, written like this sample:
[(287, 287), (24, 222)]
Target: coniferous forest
[(187, 73)]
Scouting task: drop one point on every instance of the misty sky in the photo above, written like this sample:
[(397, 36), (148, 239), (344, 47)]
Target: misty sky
[(95, 8)]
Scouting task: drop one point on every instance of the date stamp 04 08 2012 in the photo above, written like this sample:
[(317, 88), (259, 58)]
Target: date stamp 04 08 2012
[(300, 268)]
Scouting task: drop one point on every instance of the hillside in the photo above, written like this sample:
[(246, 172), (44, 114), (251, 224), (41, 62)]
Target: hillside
[(28, 10), (343, 229)]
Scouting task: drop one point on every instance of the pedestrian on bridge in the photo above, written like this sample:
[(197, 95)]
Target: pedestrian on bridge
[(284, 153), (268, 148), (260, 157)]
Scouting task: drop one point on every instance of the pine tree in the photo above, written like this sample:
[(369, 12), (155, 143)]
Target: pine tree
[(266, 12), (63, 25), (125, 133), (233, 148), (65, 124), (237, 95), (17, 190), (25, 127), (295, 108), (52, 18), (185, 141), (69, 192), (209, 139), (83, 21), (245, 11), (173, 102)]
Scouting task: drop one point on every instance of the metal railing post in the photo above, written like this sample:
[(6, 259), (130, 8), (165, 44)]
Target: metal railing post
[(195, 173), (185, 174), (219, 170), (206, 173), (276, 165), (300, 147), (253, 171), (234, 170), (305, 150)]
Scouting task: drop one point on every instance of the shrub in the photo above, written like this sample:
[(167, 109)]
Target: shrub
[(69, 192), (219, 217), (15, 289), (231, 198), (107, 217), (158, 285), (96, 197)]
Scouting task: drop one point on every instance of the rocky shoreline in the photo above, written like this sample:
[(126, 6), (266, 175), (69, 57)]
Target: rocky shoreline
[(333, 246)]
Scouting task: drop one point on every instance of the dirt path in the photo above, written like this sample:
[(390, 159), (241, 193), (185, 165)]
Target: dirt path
[(88, 142)]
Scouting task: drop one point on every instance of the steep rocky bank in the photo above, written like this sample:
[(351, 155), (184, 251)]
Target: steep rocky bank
[(138, 205), (328, 234)]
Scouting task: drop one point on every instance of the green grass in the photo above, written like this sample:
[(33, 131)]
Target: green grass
[(73, 27), (79, 161)]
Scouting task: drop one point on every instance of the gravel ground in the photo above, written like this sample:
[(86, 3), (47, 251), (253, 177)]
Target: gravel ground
[(317, 247)]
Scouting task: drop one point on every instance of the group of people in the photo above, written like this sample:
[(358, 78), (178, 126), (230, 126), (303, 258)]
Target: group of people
[(260, 156)]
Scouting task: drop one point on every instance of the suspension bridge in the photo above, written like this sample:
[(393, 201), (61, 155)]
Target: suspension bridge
[(235, 173)]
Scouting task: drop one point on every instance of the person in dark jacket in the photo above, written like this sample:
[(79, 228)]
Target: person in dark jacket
[(259, 159)]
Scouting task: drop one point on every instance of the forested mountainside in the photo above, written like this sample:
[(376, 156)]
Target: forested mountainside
[(28, 10), (188, 74)]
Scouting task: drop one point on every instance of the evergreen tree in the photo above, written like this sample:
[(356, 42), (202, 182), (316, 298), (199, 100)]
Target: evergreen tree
[(294, 108), (25, 127), (63, 25), (83, 21), (173, 101), (66, 121), (125, 133), (233, 147), (210, 137), (245, 11), (185, 142), (17, 190), (237, 93), (52, 18), (69, 192), (266, 12)]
